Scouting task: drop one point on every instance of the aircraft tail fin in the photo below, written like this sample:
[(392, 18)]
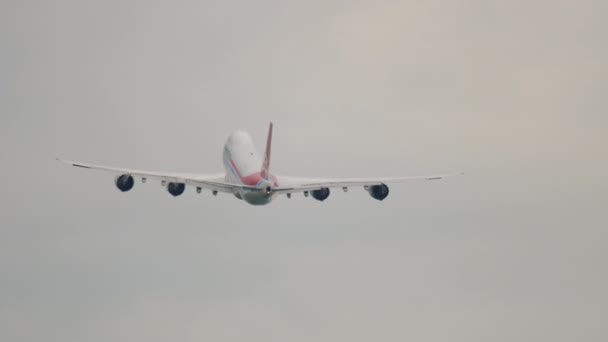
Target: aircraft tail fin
[(266, 165)]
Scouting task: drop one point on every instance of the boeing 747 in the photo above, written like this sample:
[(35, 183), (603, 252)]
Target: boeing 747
[(247, 176)]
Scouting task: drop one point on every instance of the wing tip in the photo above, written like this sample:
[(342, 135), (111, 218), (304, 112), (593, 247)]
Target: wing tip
[(444, 176), (75, 164)]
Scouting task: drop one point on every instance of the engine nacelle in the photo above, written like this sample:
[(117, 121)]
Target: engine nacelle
[(176, 189), (378, 192), (321, 194), (124, 182)]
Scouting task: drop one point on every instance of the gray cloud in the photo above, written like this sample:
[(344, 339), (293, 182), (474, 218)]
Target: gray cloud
[(511, 93)]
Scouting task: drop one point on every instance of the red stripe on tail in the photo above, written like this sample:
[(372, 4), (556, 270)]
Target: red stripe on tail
[(266, 166)]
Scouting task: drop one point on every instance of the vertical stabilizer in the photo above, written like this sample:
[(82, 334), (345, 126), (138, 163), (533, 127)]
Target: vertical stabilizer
[(266, 164)]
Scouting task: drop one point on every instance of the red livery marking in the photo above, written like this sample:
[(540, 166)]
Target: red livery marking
[(254, 178), (235, 169), (266, 164)]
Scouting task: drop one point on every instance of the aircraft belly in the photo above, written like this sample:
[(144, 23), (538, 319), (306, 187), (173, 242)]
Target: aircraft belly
[(257, 198)]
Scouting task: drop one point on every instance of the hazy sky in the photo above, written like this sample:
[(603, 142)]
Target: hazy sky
[(512, 92)]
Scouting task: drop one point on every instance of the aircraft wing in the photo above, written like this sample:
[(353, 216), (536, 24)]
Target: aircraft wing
[(294, 185), (214, 182)]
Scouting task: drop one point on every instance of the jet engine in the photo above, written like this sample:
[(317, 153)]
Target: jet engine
[(176, 189), (321, 194), (378, 192), (124, 182)]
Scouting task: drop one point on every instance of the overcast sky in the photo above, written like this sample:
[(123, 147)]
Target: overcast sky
[(511, 92)]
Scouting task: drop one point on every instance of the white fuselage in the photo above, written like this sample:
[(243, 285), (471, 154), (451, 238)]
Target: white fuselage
[(243, 166)]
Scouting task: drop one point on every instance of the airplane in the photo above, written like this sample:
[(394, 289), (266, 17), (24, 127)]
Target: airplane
[(248, 177)]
